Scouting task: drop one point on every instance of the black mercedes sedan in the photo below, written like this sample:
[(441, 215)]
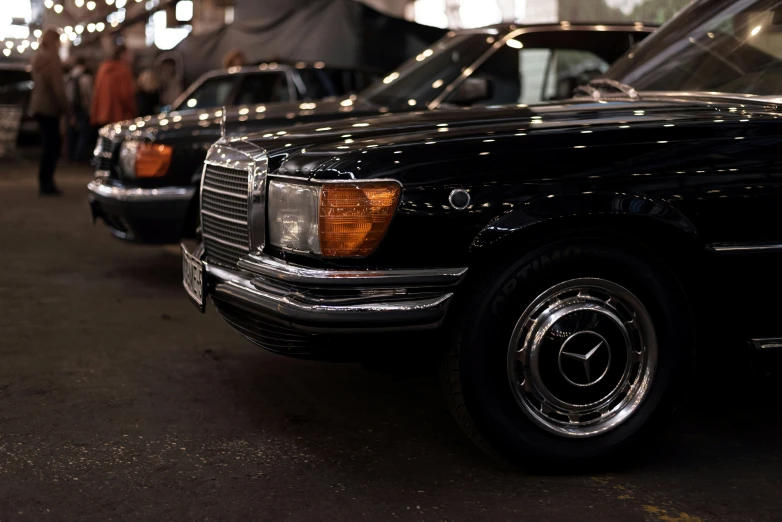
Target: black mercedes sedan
[(148, 169), (567, 255), (136, 162)]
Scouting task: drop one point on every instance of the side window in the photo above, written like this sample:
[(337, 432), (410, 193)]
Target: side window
[(214, 92), (527, 75), (322, 83), (270, 87)]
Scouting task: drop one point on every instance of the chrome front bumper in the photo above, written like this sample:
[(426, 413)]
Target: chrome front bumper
[(333, 301), (104, 190), (144, 215)]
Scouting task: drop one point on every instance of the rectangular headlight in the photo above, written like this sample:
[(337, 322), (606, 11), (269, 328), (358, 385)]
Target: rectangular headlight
[(293, 216), (332, 219)]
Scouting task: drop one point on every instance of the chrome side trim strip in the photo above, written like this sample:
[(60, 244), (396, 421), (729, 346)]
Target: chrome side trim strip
[(746, 247), (100, 188), (767, 344), (223, 218), (276, 269)]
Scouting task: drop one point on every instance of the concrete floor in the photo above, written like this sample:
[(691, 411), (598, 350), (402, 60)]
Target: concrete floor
[(119, 401)]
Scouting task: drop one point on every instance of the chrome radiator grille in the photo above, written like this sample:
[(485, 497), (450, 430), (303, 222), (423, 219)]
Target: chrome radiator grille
[(224, 214)]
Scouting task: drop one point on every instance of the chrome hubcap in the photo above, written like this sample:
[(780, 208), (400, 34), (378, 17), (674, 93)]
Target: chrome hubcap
[(582, 357)]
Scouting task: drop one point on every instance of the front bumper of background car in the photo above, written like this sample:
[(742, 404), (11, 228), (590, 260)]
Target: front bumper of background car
[(155, 216)]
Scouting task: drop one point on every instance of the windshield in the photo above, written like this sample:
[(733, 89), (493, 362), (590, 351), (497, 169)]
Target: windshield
[(422, 78), (212, 92), (730, 46)]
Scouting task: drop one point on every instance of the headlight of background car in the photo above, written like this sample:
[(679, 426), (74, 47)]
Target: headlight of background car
[(139, 159), (333, 219)]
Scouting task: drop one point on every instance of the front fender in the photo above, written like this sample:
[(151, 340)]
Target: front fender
[(587, 206)]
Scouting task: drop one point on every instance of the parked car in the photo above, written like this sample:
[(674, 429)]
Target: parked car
[(16, 87), (157, 204), (147, 169), (562, 251)]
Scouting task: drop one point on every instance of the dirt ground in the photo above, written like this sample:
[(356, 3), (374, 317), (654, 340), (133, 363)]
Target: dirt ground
[(119, 401)]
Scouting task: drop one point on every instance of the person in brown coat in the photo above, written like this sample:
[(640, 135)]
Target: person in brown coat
[(113, 95), (47, 104)]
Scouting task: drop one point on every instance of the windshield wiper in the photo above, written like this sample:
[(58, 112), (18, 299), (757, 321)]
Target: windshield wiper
[(596, 89)]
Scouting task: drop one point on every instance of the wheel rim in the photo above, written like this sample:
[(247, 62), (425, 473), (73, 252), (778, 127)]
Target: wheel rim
[(582, 357)]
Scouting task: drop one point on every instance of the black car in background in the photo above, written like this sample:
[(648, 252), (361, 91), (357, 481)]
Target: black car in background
[(16, 87), (136, 161), (568, 255), (148, 169)]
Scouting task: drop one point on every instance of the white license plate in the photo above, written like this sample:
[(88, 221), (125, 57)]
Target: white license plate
[(193, 278)]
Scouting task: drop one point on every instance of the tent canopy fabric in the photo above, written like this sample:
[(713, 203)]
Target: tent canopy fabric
[(337, 32)]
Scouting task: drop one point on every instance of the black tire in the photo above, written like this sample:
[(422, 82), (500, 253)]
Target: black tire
[(474, 372)]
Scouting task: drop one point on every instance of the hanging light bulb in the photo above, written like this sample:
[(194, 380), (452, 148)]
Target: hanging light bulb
[(79, 3), (58, 8), (37, 33), (91, 5), (48, 3)]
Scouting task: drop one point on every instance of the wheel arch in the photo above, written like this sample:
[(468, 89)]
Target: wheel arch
[(634, 220)]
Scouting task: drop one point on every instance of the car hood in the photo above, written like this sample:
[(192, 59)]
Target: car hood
[(389, 144), (240, 120)]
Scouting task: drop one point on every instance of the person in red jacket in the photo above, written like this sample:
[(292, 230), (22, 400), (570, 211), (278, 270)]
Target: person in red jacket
[(113, 95)]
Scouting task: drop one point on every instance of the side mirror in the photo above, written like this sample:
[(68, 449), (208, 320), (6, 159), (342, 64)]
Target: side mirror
[(470, 91)]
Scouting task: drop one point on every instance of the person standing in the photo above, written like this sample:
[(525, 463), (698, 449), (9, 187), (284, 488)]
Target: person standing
[(148, 93), (47, 104), (113, 96), (79, 91)]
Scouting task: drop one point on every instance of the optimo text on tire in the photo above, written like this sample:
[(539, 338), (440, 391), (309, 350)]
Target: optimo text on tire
[(571, 352)]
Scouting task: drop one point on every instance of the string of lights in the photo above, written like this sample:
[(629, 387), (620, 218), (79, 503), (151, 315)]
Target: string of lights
[(79, 21)]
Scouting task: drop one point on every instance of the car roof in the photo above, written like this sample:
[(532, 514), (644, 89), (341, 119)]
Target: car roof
[(282, 66), (566, 26)]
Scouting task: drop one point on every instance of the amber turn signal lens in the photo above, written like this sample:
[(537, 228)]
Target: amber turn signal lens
[(353, 218), (152, 161)]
